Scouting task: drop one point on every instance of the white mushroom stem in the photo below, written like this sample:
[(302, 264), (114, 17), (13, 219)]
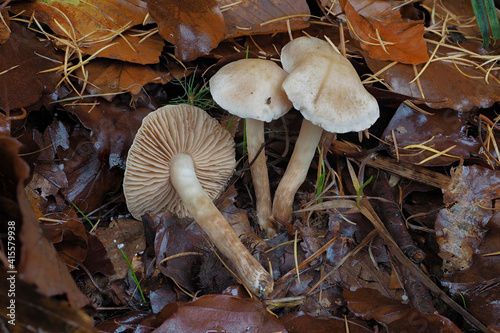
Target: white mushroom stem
[(249, 270), (296, 171), (260, 178)]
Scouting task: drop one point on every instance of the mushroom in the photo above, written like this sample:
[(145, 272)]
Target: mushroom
[(326, 89), (251, 89), (180, 160)]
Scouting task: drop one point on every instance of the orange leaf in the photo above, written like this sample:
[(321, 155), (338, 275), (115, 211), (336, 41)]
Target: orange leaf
[(114, 77), (130, 47), (384, 34), (90, 19), (195, 27)]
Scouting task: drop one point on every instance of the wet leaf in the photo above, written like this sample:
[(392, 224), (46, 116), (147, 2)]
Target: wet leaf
[(427, 135), (384, 34), (37, 261), (97, 259), (221, 313), (4, 28), (461, 227), (22, 59), (299, 322), (267, 16), (172, 240), (194, 27)]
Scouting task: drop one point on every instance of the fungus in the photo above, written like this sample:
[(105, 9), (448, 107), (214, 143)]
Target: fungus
[(326, 89), (180, 160), (251, 89)]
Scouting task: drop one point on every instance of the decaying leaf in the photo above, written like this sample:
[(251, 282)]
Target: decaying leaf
[(36, 260), (436, 139), (384, 34), (460, 228), (221, 313), (22, 59)]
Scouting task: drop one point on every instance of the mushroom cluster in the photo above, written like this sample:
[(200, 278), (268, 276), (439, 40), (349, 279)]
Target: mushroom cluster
[(180, 160), (251, 89), (324, 86)]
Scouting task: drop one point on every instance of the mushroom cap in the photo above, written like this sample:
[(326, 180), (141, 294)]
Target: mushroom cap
[(251, 88), (165, 132), (325, 87)]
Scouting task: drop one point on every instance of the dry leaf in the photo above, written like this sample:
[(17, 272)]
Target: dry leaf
[(384, 34), (87, 21)]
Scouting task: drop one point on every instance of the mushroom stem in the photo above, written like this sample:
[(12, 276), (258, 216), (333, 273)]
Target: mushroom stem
[(296, 171), (260, 178), (250, 271)]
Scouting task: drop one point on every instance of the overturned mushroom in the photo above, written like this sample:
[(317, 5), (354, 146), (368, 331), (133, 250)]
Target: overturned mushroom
[(251, 89), (180, 160), (325, 88)]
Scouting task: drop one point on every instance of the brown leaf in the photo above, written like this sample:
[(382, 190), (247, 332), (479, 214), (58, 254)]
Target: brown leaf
[(458, 83), (110, 77), (129, 46), (91, 20), (369, 303), (461, 227), (194, 27), (125, 234), (37, 261), (384, 34), (440, 130), (267, 17), (299, 322), (22, 59), (35, 312), (221, 313), (4, 28), (415, 321)]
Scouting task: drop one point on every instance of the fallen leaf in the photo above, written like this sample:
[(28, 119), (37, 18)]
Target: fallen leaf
[(461, 227), (457, 76), (268, 17), (221, 313), (4, 26), (108, 78), (35, 312), (426, 135), (87, 21), (22, 59), (299, 322), (131, 46), (384, 34), (122, 234), (36, 260), (195, 27)]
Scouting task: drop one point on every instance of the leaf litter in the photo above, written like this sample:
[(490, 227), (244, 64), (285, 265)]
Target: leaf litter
[(345, 261)]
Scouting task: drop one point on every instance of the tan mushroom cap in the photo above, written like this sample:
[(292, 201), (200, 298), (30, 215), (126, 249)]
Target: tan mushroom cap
[(326, 88), (251, 88), (165, 132)]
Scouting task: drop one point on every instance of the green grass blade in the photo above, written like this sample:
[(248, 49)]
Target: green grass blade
[(493, 18), (85, 216), (482, 20)]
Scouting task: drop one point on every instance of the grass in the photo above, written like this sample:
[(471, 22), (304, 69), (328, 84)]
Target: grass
[(83, 214), (194, 93), (132, 274)]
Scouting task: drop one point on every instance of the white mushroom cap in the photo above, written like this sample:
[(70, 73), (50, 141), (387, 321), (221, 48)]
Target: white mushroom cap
[(251, 88), (165, 132), (325, 87)]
